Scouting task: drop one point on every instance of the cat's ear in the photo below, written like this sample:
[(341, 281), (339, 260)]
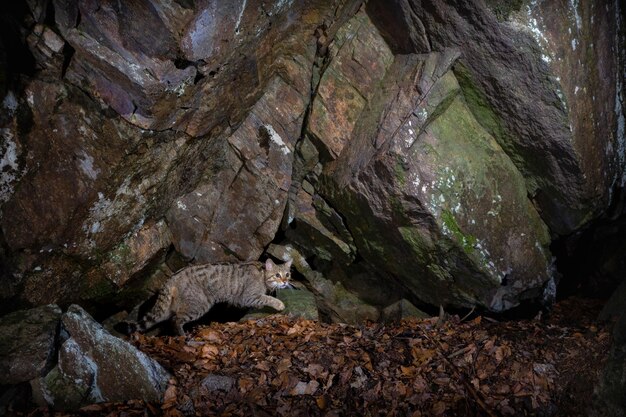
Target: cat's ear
[(269, 265), (289, 262)]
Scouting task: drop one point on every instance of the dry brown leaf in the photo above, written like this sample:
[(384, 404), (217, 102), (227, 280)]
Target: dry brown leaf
[(439, 408), (263, 366), (374, 368), (209, 351), (407, 371), (305, 388), (209, 335), (322, 402), (245, 384), (315, 370), (283, 365), (169, 397)]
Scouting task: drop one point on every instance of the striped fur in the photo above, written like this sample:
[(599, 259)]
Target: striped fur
[(191, 292)]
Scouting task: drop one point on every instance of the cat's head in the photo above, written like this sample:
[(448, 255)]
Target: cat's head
[(277, 276)]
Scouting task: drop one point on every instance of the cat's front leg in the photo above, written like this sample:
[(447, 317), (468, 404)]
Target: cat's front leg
[(268, 300)]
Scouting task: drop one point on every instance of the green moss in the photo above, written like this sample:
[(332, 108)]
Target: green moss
[(442, 94), (420, 246), (400, 173), (122, 256), (503, 8), (373, 246), (68, 393), (99, 290), (478, 104), (397, 207), (468, 242), (439, 273)]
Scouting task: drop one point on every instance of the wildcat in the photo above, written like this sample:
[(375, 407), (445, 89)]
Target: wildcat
[(191, 292)]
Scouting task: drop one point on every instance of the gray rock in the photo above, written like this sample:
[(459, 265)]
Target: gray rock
[(190, 62), (136, 252), (423, 211), (360, 58), (94, 366), (402, 309), (217, 383), (345, 306), (215, 222), (334, 299), (27, 343), (299, 302), (320, 229), (139, 122), (47, 48)]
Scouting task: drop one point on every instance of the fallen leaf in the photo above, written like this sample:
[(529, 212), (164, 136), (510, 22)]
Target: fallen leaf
[(305, 388), (209, 351), (283, 365)]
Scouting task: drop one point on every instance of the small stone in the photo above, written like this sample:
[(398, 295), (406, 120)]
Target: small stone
[(402, 309), (217, 383)]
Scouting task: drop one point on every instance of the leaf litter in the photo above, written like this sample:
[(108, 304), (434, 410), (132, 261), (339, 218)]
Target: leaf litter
[(282, 366)]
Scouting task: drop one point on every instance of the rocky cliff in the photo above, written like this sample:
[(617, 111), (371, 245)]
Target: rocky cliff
[(426, 150)]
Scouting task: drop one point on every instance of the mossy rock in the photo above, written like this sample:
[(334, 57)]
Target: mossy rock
[(299, 302)]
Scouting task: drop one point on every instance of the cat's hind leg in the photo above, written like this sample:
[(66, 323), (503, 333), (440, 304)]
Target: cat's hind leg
[(178, 325), (159, 312), (187, 315)]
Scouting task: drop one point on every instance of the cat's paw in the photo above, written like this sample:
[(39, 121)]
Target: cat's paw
[(280, 306)]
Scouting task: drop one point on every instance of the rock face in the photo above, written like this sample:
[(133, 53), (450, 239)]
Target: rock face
[(213, 222), (521, 78), (585, 51), (338, 304), (122, 159), (420, 150), (420, 171)]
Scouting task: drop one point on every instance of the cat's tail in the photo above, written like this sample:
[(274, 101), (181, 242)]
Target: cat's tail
[(159, 313)]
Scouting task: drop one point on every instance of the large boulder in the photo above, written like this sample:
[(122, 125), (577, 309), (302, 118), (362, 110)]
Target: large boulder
[(543, 82), (85, 189), (427, 193), (400, 310), (584, 46), (94, 366), (335, 302)]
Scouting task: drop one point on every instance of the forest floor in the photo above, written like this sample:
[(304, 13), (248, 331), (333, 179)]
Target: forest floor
[(290, 367)]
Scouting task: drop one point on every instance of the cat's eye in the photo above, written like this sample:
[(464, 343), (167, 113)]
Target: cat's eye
[(287, 274), (277, 275)]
